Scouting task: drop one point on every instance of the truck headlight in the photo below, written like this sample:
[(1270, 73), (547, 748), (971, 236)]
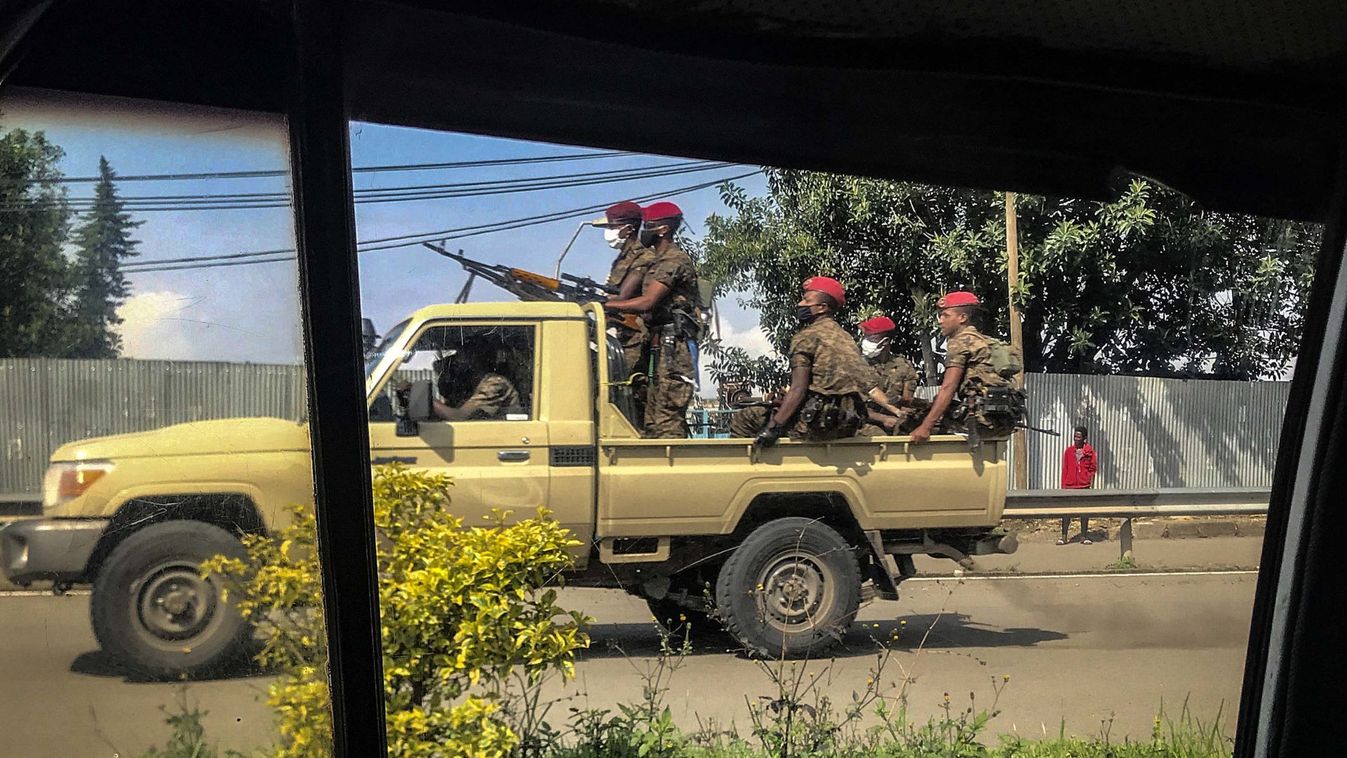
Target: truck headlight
[(67, 480)]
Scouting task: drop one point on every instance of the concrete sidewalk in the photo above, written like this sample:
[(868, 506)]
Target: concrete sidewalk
[(1156, 554)]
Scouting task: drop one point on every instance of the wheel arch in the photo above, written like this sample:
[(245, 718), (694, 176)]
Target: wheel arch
[(235, 512), (831, 507)]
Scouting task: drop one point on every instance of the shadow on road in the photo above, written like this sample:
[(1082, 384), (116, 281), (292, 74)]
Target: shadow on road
[(948, 631), (98, 663)]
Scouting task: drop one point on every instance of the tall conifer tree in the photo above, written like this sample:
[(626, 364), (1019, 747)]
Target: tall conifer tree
[(103, 240)]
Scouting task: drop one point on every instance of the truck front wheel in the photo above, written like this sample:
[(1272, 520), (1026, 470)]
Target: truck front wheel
[(791, 589), (155, 615)]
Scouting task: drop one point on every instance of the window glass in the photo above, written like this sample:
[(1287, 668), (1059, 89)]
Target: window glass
[(478, 373), (1166, 331), (152, 408)]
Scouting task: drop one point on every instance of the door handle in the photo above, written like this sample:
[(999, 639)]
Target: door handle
[(512, 456)]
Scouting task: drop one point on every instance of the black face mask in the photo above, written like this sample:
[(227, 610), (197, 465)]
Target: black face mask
[(649, 238), (805, 313)]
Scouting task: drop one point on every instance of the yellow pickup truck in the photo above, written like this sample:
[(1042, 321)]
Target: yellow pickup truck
[(779, 546)]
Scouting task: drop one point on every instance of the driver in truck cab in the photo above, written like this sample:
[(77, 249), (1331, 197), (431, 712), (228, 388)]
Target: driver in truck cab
[(488, 394)]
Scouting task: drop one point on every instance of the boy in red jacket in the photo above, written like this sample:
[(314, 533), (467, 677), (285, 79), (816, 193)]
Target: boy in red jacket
[(1078, 467)]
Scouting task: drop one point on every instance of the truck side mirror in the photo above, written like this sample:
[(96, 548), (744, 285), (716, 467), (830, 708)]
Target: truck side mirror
[(369, 338), (415, 404)]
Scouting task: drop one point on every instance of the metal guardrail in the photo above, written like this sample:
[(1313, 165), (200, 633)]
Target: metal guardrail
[(1103, 503), (1130, 504)]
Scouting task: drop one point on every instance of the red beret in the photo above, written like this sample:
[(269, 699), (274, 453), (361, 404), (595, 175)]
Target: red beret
[(957, 298), (625, 212), (877, 325), (828, 286), (661, 211)]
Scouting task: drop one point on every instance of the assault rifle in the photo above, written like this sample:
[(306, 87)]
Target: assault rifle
[(530, 286)]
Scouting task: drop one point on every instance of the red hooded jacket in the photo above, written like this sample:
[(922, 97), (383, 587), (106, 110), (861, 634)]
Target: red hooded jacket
[(1078, 471)]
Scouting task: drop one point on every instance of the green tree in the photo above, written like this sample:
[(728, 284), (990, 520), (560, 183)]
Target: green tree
[(1147, 283), (102, 242), (34, 221)]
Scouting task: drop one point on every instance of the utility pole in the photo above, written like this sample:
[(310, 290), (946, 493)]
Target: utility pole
[(1019, 452)]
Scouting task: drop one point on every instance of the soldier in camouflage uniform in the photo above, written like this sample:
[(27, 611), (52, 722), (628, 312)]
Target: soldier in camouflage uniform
[(492, 394), (621, 225), (829, 380), (897, 378), (669, 299), (969, 372)]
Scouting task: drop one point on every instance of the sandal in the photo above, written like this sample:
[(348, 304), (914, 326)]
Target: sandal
[(1062, 541)]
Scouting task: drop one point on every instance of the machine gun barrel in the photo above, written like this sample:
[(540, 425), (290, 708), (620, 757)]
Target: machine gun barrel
[(588, 284), (529, 285)]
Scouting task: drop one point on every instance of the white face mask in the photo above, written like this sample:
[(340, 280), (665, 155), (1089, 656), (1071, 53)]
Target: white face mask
[(610, 235), (871, 347)]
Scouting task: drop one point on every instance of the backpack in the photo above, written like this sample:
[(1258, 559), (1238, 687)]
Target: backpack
[(1006, 361)]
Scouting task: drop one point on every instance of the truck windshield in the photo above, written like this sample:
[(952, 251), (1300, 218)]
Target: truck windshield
[(372, 359)]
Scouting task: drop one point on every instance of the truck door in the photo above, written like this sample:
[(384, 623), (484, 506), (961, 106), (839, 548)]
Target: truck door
[(498, 455)]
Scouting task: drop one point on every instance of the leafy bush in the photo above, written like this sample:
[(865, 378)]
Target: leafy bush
[(464, 612)]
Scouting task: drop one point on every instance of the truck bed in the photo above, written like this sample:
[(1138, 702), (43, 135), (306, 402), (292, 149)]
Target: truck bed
[(689, 487)]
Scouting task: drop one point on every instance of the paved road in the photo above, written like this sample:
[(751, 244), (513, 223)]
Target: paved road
[(1080, 649)]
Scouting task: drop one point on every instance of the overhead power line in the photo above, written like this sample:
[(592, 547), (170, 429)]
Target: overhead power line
[(406, 240), (270, 173), (245, 201)]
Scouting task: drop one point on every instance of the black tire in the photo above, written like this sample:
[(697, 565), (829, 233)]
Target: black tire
[(790, 590), (680, 621), (153, 618)]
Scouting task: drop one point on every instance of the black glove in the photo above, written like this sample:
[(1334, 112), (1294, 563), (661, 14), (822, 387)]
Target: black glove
[(768, 437)]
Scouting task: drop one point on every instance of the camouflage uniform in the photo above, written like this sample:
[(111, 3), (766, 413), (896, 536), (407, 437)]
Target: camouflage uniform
[(969, 349), (492, 396), (747, 422), (672, 380), (837, 372), (897, 377), (636, 258)]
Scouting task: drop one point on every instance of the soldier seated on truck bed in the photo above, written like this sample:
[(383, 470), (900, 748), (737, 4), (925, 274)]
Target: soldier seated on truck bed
[(473, 376), (829, 380), (977, 394)]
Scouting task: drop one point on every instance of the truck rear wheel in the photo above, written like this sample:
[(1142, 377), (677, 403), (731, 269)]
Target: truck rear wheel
[(155, 615), (791, 589)]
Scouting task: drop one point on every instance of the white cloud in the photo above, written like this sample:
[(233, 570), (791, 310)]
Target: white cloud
[(151, 328), (753, 339)]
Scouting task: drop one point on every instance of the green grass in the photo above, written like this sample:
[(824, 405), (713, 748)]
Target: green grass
[(1125, 563)]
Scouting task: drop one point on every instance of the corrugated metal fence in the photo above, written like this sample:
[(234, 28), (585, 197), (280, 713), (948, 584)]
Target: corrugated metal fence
[(1148, 432), (1151, 432), (46, 402)]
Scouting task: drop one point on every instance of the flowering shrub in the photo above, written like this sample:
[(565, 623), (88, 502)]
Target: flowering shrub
[(463, 612)]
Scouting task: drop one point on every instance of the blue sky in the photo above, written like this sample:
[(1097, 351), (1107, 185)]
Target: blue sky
[(250, 313)]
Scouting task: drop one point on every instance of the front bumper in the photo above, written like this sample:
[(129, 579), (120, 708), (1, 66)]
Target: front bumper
[(49, 549)]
